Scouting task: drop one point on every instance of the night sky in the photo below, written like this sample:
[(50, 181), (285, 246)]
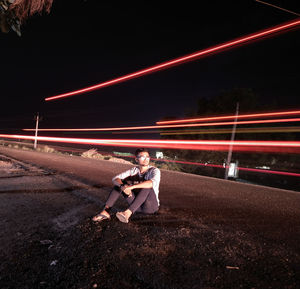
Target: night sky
[(82, 43)]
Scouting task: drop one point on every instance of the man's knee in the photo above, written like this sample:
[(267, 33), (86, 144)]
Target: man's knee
[(117, 188), (150, 206), (145, 190)]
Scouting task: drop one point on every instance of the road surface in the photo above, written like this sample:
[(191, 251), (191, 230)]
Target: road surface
[(209, 233)]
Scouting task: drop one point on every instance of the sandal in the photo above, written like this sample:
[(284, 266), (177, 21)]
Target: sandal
[(100, 218), (122, 217)]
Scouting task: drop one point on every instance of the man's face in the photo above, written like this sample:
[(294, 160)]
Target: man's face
[(143, 159)]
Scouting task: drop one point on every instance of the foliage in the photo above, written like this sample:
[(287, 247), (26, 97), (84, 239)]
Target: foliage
[(225, 104), (92, 153), (13, 13)]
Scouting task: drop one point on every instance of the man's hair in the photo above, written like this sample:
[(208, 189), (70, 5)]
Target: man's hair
[(141, 150)]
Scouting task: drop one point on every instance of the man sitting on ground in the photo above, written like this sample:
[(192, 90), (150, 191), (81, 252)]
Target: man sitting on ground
[(139, 185)]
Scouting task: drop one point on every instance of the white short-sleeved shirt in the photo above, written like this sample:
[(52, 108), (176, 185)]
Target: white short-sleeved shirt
[(152, 174)]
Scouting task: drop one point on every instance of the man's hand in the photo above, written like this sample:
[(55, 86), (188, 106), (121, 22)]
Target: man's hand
[(127, 190), (123, 187)]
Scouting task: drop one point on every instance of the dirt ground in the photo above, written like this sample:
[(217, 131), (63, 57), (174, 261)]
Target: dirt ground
[(49, 241)]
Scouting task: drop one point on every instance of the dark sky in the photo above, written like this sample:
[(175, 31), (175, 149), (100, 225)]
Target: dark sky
[(82, 43)]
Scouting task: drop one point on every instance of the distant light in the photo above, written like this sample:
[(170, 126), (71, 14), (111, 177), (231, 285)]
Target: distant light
[(180, 60), (169, 126)]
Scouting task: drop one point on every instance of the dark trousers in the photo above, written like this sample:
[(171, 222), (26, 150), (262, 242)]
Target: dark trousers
[(142, 200)]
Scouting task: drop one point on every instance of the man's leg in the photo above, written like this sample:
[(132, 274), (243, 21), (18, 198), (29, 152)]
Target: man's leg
[(112, 198), (143, 202), (150, 206)]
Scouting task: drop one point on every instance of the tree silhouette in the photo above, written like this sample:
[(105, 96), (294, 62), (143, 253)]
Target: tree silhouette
[(13, 13), (224, 103)]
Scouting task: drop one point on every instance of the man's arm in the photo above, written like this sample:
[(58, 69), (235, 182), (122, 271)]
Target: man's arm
[(154, 180), (142, 185), (117, 182)]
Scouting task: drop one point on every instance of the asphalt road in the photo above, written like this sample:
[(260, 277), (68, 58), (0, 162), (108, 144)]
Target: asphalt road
[(263, 214), (275, 211)]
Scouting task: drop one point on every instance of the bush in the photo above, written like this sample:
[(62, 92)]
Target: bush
[(167, 166), (92, 153), (46, 149), (25, 148)]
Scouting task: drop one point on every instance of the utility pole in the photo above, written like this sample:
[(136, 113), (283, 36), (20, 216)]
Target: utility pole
[(231, 143), (36, 130)]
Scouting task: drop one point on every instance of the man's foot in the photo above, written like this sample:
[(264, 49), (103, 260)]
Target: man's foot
[(124, 216), (101, 217)]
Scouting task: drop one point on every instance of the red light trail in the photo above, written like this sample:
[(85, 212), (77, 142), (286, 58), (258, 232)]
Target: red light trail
[(220, 145), (271, 172), (169, 126), (180, 60), (283, 129), (239, 168), (253, 115), (201, 164)]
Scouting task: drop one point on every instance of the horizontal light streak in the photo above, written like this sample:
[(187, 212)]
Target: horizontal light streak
[(169, 126), (193, 163), (239, 168), (253, 115), (180, 60), (220, 145), (239, 130), (270, 172), (282, 129)]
